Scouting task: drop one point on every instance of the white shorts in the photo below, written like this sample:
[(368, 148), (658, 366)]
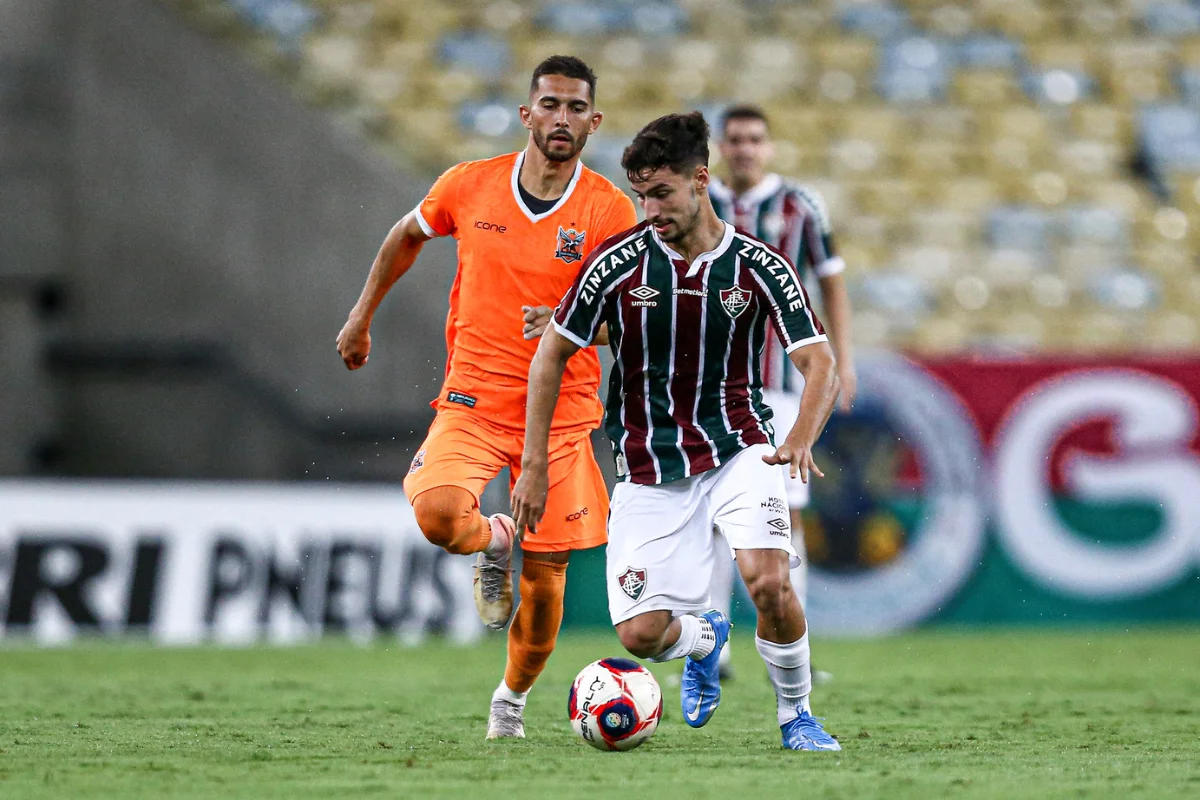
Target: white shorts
[(786, 406), (661, 546)]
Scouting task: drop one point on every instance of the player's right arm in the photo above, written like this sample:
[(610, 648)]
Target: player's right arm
[(435, 216), (397, 253), (545, 381)]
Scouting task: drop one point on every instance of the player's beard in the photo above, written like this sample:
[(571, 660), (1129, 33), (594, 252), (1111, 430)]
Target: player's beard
[(543, 144), (686, 225)]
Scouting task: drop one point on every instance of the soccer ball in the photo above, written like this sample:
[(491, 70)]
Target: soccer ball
[(615, 704)]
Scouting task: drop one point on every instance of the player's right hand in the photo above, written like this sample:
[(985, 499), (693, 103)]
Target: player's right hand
[(529, 499), (354, 343), (537, 319)]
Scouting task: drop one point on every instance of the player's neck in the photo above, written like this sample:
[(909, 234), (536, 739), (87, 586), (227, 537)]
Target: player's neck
[(704, 238), (543, 178), (745, 183)]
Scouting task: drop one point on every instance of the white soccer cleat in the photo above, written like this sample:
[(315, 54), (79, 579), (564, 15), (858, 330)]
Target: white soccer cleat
[(506, 721), (493, 575)]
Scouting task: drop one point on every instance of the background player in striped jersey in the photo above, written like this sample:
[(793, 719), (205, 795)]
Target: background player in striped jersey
[(524, 222), (687, 301), (792, 218)]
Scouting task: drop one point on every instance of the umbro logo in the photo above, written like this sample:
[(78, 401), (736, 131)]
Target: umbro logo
[(779, 524), (644, 296)]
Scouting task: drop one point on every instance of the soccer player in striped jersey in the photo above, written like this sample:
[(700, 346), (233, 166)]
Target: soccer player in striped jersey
[(792, 218), (689, 302)]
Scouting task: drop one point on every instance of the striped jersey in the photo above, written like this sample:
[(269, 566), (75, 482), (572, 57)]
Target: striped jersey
[(685, 393), (793, 219)]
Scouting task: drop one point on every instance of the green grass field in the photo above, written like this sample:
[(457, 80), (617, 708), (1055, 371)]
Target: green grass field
[(948, 714)]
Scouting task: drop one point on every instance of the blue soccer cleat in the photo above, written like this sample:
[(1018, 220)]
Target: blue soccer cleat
[(700, 688), (805, 733)]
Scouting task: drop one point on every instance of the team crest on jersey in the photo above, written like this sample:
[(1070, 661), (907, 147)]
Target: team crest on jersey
[(734, 300), (570, 245), (632, 582), (417, 462)]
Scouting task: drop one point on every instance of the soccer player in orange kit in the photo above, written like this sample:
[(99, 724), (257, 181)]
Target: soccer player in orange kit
[(524, 224)]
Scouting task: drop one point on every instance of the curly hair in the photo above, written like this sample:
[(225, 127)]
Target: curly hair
[(678, 142)]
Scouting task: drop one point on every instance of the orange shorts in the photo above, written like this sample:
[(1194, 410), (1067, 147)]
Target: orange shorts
[(461, 450)]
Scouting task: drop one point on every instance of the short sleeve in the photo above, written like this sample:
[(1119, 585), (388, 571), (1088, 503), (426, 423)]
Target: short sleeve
[(436, 213), (817, 245), (581, 310), (787, 302)]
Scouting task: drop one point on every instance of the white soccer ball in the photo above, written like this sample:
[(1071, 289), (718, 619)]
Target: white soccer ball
[(615, 704)]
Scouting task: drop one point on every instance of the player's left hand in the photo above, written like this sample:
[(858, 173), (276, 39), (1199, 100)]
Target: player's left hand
[(529, 499), (848, 379), (800, 459), (537, 319)]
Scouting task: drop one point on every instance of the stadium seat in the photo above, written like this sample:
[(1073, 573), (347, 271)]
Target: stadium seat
[(960, 146)]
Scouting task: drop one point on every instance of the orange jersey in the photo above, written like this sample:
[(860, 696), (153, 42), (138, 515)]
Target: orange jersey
[(509, 257)]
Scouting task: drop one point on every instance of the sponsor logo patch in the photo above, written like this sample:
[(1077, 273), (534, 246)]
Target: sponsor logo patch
[(632, 582), (462, 399), (570, 245), (734, 300), (775, 504), (580, 514)]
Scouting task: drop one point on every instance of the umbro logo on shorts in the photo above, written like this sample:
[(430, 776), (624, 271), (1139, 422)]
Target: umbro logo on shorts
[(632, 582), (780, 525)]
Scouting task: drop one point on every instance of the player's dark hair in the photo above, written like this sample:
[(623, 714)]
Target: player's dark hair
[(567, 67), (678, 142), (743, 112)]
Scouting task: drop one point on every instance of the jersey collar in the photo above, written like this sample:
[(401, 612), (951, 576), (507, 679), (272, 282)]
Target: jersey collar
[(768, 186), (516, 191), (702, 260)]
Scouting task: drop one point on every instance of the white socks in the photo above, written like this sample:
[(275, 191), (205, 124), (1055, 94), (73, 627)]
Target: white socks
[(787, 666), (696, 639), (508, 695)]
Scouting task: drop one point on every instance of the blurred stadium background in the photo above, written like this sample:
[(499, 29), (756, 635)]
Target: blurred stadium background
[(191, 192)]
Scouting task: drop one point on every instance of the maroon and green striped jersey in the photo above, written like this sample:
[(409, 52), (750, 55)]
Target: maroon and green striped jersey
[(685, 392), (793, 218)]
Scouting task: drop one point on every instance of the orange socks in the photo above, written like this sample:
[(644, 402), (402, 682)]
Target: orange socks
[(449, 518), (534, 628)]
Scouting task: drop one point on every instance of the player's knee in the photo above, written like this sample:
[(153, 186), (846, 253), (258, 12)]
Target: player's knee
[(770, 590), (445, 517), (641, 637)]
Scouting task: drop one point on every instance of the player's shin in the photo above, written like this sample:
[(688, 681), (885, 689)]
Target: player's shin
[(534, 629), (788, 669)]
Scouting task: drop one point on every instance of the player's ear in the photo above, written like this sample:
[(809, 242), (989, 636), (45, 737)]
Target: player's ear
[(701, 178), (526, 115), (597, 118)]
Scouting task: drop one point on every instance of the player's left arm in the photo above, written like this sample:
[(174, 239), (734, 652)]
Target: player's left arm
[(783, 297), (816, 363), (822, 258)]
